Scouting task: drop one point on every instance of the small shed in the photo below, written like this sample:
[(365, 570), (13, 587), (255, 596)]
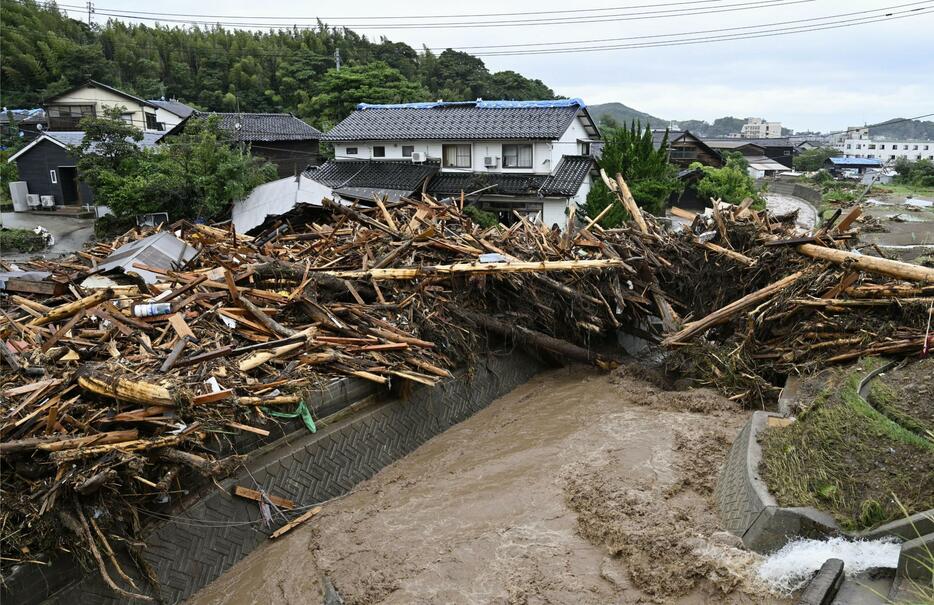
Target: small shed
[(836, 166)]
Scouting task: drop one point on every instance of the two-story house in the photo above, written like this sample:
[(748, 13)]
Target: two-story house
[(533, 157), (66, 110)]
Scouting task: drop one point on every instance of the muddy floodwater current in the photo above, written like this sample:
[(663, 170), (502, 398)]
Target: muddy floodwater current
[(577, 487)]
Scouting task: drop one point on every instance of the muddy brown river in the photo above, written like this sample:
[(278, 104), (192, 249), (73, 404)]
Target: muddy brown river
[(577, 487)]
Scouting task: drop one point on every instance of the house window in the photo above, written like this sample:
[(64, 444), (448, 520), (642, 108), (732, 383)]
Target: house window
[(871, 146), (585, 148), (456, 156), (849, 146), (54, 176), (891, 157), (408, 150), (379, 151), (914, 148), (127, 117), (151, 123), (881, 146), (517, 156), (67, 117), (351, 151), (905, 147)]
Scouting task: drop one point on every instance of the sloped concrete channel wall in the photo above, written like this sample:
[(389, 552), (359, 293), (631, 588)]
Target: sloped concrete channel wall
[(748, 510), (199, 544)]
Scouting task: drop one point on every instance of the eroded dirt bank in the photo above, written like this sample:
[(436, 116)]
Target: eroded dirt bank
[(577, 487)]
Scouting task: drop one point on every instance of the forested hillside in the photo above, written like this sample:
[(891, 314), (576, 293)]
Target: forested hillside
[(901, 129), (44, 52)]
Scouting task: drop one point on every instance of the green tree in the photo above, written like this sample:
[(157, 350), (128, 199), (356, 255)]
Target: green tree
[(811, 160), (194, 174), (630, 151), (108, 151), (731, 184), (338, 92), (919, 173)]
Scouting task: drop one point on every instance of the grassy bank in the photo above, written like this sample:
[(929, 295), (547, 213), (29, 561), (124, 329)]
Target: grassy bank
[(20, 240), (906, 190), (845, 457)]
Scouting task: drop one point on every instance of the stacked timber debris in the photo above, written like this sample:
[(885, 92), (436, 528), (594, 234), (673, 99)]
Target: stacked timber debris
[(766, 301), (130, 365)]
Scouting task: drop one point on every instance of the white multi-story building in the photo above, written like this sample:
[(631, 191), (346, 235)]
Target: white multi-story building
[(887, 150), (532, 157), (757, 128)]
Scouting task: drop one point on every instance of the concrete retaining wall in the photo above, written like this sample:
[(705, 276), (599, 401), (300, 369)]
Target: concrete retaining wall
[(748, 510), (200, 543), (746, 507), (804, 192)]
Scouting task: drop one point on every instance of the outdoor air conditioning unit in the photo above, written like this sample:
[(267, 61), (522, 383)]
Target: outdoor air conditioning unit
[(32, 200), (48, 201), (417, 157), (490, 161)]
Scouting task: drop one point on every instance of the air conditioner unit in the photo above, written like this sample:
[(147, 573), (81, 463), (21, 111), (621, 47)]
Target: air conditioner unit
[(48, 201), (490, 161), (32, 200), (418, 156)]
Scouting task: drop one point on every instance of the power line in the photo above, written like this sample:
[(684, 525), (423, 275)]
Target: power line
[(743, 32), (291, 19), (635, 16), (703, 31), (712, 39)]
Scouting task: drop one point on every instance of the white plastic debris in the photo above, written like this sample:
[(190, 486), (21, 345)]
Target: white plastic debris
[(793, 566)]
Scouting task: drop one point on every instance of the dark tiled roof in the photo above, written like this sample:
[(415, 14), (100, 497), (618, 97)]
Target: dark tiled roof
[(173, 106), (659, 135), (263, 126), (453, 183), (482, 120), (568, 176), (364, 174), (566, 180)]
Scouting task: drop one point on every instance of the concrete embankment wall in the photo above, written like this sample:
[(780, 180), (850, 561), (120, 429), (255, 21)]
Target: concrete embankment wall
[(804, 192), (197, 545)]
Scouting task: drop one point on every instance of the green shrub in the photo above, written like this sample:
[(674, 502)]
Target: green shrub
[(481, 217), (20, 240)]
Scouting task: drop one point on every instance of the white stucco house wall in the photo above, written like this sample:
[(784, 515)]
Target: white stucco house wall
[(531, 157)]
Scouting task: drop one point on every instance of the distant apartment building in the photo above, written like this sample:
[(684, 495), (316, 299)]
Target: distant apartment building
[(838, 139), (757, 128), (887, 150)]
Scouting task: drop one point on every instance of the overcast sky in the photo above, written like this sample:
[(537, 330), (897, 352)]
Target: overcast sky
[(821, 80)]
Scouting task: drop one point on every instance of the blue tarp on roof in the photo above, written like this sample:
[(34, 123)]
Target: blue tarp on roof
[(855, 161), (479, 103)]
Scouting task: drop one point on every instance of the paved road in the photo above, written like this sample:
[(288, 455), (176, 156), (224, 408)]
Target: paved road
[(783, 204), (70, 233)]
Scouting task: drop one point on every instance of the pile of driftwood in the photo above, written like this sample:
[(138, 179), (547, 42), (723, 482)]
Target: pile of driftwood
[(765, 301), (110, 411), (114, 410)]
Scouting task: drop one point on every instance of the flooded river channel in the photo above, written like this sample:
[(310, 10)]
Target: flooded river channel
[(577, 487)]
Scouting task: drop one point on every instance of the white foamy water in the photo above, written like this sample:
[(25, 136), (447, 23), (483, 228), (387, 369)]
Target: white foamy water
[(791, 567)]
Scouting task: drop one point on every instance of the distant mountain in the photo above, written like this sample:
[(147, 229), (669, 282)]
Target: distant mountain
[(720, 127), (898, 129), (623, 114)]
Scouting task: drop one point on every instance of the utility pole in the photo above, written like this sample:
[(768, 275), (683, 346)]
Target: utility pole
[(90, 10), (337, 58)]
